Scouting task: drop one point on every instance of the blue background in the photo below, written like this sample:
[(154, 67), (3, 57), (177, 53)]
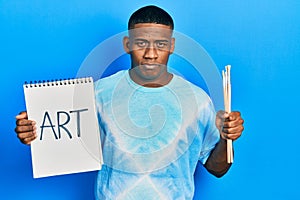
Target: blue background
[(42, 39)]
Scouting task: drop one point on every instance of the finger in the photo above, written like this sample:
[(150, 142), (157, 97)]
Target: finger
[(234, 123), (27, 134), (234, 136), (231, 136), (25, 128), (27, 137), (22, 115), (234, 115), (222, 114), (233, 130), (25, 122), (28, 140), (220, 119)]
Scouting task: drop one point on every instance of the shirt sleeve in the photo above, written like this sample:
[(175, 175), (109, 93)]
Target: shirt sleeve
[(211, 135)]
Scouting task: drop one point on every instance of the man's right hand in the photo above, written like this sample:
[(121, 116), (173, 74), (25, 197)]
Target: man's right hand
[(25, 129)]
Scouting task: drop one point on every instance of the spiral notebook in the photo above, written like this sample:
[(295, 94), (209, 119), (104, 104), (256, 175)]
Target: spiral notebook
[(68, 138)]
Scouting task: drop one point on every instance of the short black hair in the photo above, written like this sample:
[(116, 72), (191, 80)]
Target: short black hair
[(150, 14)]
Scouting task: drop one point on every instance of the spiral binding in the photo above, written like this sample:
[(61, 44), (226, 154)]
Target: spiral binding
[(57, 82)]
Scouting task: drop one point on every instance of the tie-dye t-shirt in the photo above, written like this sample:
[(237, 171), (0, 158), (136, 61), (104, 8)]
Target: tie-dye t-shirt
[(152, 138)]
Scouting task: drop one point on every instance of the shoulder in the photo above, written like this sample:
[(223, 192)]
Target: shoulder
[(109, 82), (191, 89)]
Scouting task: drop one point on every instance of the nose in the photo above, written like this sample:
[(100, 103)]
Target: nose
[(150, 53)]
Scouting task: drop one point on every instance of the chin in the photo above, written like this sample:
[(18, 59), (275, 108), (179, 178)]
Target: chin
[(150, 72), (149, 76)]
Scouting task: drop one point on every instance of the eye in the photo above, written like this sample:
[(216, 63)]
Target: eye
[(161, 45), (141, 44)]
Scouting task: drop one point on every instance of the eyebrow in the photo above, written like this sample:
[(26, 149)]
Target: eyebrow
[(144, 40)]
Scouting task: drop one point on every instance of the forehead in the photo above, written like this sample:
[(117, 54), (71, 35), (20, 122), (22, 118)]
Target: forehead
[(151, 31)]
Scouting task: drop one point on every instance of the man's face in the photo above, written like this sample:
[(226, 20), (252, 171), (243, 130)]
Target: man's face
[(149, 45)]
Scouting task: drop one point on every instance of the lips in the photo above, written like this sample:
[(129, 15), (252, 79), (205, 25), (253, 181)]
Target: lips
[(150, 65)]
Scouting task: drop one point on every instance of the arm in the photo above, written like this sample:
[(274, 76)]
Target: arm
[(231, 127), (25, 129)]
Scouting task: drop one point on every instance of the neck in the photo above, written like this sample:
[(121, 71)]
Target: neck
[(163, 80)]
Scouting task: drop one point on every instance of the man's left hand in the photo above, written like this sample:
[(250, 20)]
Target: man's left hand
[(230, 125)]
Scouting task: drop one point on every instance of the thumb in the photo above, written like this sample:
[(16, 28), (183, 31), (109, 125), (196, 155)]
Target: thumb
[(22, 115)]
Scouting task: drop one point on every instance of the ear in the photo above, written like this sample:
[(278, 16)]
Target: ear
[(126, 44), (172, 45)]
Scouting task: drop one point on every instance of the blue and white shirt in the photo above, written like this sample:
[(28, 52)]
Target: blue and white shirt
[(152, 138)]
